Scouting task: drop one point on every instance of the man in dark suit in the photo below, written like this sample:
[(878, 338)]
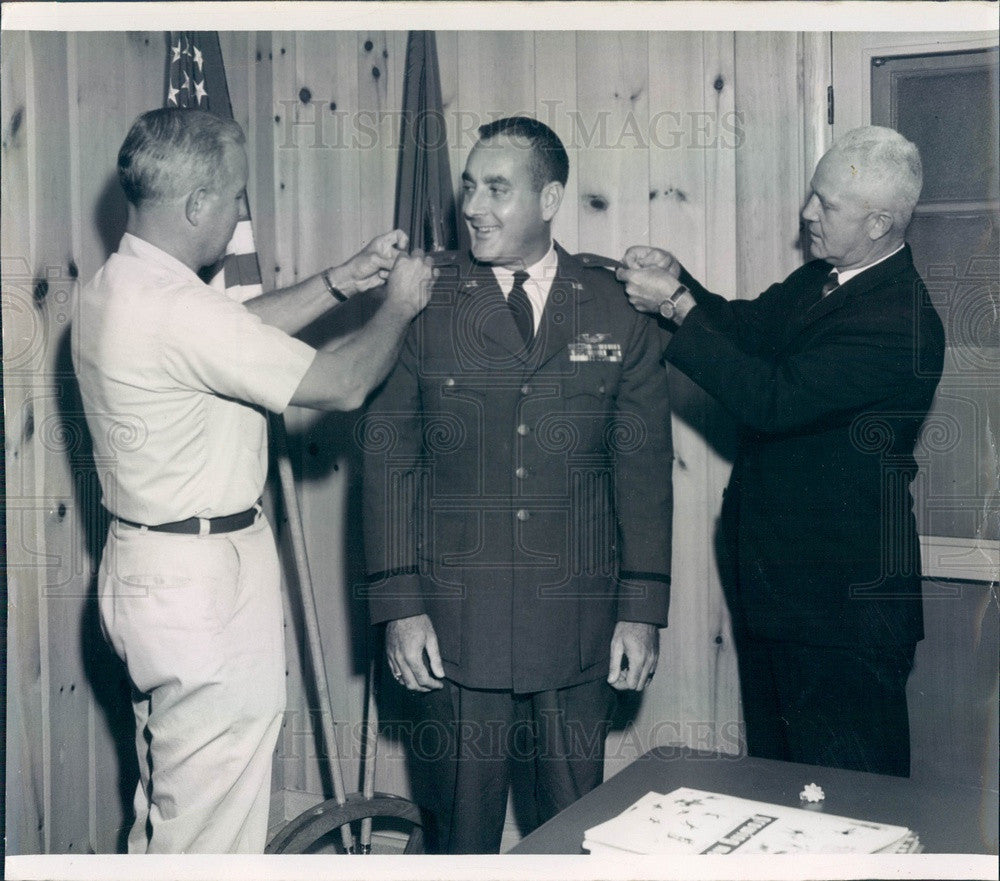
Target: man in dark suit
[(518, 501), (830, 374)]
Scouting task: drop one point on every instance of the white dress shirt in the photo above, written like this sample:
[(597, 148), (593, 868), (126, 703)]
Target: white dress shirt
[(538, 284)]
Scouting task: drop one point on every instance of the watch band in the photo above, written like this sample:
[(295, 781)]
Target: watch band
[(668, 308), (335, 292)]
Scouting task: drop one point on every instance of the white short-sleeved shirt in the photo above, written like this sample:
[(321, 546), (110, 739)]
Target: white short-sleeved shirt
[(175, 377)]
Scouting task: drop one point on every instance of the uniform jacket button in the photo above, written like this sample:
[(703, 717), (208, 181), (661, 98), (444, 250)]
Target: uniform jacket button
[(523, 429), (523, 515), (521, 472)]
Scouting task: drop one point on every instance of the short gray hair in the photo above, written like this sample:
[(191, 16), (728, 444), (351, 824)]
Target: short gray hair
[(171, 151), (891, 165)]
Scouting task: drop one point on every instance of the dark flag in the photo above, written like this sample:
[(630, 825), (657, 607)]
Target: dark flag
[(425, 201), (196, 78)]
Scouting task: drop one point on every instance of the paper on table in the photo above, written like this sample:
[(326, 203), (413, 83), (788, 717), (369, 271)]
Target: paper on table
[(691, 821)]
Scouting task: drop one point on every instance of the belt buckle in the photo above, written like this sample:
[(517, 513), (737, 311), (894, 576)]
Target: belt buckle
[(204, 526)]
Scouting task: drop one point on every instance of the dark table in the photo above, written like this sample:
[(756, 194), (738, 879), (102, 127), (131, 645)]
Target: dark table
[(948, 819)]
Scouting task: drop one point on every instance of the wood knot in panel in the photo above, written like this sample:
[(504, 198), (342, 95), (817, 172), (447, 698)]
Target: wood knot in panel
[(16, 121)]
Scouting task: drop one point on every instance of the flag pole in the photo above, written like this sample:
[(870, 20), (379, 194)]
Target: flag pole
[(308, 596)]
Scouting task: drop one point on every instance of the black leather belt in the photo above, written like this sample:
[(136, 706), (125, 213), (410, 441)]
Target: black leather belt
[(203, 525)]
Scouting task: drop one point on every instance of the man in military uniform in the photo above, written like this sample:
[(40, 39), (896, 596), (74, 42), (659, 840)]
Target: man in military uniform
[(518, 502)]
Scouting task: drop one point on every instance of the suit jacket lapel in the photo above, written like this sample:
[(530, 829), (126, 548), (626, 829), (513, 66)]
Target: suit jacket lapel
[(812, 307), (851, 289), (490, 318), (561, 317)]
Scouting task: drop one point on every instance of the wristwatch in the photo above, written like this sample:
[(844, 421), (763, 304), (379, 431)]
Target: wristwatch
[(668, 308)]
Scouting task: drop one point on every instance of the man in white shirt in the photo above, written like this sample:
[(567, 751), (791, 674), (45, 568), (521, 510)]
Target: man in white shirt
[(175, 379), (830, 374), (518, 504)]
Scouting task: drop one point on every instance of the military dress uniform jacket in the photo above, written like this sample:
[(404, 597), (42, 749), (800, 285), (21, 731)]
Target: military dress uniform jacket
[(831, 394), (521, 497)]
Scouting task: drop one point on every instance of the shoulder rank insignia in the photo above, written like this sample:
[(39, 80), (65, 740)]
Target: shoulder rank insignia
[(443, 258), (592, 260)]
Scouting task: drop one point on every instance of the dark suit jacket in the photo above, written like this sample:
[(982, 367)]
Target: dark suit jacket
[(521, 498), (831, 394)]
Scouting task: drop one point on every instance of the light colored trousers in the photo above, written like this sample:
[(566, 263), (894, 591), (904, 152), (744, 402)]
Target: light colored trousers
[(198, 622)]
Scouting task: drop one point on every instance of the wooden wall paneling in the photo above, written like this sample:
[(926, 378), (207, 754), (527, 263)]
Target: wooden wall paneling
[(327, 64), (238, 49), (493, 78), (676, 699), (315, 160), (768, 164), (380, 82), (815, 76), (720, 165), (260, 149), (677, 147), (143, 72), (63, 443), (721, 273), (98, 109), (497, 79), (613, 104), (23, 345), (296, 741), (329, 190), (555, 105)]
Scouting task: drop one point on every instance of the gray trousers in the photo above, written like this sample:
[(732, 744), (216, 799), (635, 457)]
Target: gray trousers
[(468, 746)]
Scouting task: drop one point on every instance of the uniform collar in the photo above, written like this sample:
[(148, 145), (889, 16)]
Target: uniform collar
[(541, 273)]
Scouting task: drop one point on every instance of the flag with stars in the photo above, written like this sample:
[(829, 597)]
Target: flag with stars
[(196, 77)]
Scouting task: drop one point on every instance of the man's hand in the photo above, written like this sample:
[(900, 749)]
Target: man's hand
[(406, 641), (645, 257), (409, 283), (370, 267), (640, 644), (647, 287)]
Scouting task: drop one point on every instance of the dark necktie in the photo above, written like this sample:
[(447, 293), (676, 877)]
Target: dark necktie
[(831, 283), (520, 306)]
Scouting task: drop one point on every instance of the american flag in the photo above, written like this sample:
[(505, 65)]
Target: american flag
[(196, 77)]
